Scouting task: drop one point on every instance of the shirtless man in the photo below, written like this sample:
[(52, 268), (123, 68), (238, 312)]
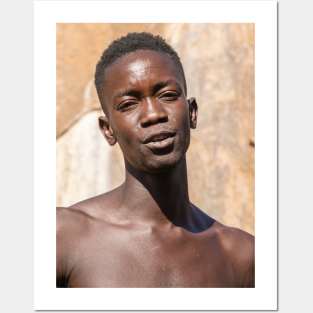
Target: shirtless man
[(146, 232)]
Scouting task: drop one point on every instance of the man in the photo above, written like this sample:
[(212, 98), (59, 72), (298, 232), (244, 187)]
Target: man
[(146, 232)]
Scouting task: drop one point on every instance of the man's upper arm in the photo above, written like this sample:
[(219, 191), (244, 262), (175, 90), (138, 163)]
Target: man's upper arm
[(240, 247), (66, 222), (248, 261), (72, 226), (61, 263)]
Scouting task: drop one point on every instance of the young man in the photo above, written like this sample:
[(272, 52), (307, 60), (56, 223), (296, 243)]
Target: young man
[(146, 232)]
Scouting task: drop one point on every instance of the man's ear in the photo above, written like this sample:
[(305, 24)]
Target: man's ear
[(193, 112), (106, 130)]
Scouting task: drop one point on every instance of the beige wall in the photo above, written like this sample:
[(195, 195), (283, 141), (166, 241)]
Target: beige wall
[(219, 65)]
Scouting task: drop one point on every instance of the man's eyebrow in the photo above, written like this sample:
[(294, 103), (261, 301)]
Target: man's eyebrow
[(137, 94), (163, 84), (127, 92)]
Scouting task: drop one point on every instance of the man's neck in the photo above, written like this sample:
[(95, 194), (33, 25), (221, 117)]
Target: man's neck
[(157, 198)]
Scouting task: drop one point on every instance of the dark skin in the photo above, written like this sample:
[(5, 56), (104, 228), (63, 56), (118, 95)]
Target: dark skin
[(147, 233)]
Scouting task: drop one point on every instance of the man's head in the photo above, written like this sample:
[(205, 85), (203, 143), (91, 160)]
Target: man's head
[(142, 89), (130, 43)]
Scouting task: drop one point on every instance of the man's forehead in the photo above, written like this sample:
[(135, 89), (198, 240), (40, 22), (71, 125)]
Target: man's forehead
[(141, 64), (137, 60)]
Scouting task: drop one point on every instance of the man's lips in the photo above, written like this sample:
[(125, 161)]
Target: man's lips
[(160, 140), (158, 137), (154, 145)]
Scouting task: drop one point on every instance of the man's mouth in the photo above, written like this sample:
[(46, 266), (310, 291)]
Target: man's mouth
[(160, 140)]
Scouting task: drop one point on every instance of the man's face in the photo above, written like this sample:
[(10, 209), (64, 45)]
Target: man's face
[(147, 110)]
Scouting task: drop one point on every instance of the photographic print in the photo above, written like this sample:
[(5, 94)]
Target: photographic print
[(157, 126)]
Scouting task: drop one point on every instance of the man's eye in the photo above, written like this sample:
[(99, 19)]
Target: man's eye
[(169, 96), (127, 105)]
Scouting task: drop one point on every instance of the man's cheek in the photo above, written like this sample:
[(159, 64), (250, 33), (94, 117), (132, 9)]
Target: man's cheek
[(122, 133), (125, 141), (183, 121)]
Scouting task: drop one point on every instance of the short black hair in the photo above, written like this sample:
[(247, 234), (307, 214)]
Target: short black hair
[(130, 43)]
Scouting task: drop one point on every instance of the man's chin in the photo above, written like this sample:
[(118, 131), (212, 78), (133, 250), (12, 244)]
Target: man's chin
[(163, 164)]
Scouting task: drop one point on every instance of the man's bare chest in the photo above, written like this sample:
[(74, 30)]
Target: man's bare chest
[(149, 262)]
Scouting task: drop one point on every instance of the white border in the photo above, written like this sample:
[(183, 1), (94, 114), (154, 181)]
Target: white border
[(264, 295)]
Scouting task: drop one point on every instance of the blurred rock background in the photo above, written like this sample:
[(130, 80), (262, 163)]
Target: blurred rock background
[(219, 65)]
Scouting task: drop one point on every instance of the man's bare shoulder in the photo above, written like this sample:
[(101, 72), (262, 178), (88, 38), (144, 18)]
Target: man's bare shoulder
[(76, 227), (234, 238), (73, 226), (238, 247), (70, 219), (77, 220), (94, 208)]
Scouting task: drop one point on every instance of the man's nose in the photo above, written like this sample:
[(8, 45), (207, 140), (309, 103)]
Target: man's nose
[(152, 113)]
